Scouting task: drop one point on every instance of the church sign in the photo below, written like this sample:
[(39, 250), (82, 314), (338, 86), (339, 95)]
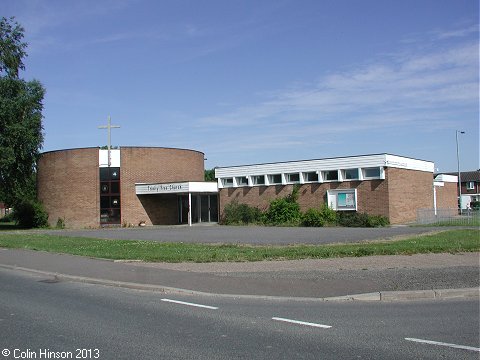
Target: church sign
[(143, 189)]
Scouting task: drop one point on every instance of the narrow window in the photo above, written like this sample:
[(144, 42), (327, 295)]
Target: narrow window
[(293, 178), (227, 182), (242, 181), (331, 175), (371, 173), (258, 180), (275, 179), (350, 174)]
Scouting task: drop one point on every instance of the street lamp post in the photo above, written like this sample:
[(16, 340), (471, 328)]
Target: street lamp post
[(458, 170)]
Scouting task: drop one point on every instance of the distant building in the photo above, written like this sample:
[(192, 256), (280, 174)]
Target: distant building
[(470, 185)]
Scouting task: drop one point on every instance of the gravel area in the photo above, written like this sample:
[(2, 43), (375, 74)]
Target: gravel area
[(418, 261)]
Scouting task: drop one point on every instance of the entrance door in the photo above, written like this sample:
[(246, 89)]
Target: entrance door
[(183, 209), (204, 208)]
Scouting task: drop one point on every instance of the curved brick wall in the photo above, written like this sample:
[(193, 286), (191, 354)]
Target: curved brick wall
[(155, 165), (68, 186), (68, 183)]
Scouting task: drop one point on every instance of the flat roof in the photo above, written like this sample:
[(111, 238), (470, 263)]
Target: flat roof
[(326, 164)]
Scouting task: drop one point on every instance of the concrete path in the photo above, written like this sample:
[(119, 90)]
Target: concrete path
[(387, 277)]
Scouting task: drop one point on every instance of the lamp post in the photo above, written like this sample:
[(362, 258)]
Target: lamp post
[(458, 169)]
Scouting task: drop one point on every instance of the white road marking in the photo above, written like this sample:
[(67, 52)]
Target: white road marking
[(302, 323), (471, 348), (190, 304)]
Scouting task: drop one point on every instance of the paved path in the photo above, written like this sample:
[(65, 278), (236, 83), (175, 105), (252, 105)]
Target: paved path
[(310, 278), (249, 234)]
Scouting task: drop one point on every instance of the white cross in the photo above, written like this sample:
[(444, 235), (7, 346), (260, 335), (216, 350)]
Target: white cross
[(109, 128)]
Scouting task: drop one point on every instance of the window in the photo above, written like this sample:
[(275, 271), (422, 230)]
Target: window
[(227, 182), (470, 185), (331, 175), (258, 180), (275, 179), (371, 173), (110, 195), (310, 176), (293, 178), (242, 181), (350, 174)]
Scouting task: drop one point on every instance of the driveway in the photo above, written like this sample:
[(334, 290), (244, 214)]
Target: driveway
[(248, 234)]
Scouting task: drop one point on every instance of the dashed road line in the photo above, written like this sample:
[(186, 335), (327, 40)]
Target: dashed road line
[(464, 347), (301, 323), (190, 304)]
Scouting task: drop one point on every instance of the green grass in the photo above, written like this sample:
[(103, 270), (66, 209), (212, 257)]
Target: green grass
[(451, 241)]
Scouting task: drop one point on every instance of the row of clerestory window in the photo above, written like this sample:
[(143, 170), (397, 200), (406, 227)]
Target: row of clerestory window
[(355, 174)]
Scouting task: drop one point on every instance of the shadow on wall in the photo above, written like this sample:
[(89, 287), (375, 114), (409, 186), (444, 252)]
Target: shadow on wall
[(160, 209)]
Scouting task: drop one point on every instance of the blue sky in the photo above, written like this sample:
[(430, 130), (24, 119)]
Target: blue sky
[(259, 81)]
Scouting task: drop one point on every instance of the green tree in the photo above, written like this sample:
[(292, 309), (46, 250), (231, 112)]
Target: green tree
[(12, 49), (210, 175), (21, 105)]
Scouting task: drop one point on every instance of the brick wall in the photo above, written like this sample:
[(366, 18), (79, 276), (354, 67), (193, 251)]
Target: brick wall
[(397, 197), (447, 196), (408, 190), (68, 186), (155, 165), (372, 195)]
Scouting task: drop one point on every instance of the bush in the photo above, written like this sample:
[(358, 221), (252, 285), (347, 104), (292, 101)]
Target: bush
[(328, 215), (7, 218), (283, 211), (60, 223), (237, 214), (355, 219), (313, 218), (377, 221), (475, 205), (352, 219), (30, 214)]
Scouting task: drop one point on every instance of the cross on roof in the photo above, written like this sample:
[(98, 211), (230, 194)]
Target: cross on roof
[(109, 128)]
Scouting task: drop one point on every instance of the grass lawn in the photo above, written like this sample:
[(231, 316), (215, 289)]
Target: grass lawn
[(448, 241)]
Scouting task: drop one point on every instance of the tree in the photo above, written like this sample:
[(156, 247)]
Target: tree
[(12, 49), (21, 105), (210, 175)]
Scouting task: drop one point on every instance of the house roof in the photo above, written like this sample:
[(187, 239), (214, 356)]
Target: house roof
[(468, 176)]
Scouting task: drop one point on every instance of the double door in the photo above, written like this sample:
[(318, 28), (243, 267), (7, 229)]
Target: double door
[(204, 208)]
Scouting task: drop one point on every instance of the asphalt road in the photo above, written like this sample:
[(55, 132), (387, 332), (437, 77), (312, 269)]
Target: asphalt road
[(37, 315), (248, 234)]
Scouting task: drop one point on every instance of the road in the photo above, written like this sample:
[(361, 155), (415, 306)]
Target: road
[(39, 314), (258, 235)]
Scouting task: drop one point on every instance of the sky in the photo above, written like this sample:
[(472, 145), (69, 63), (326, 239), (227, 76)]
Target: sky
[(256, 81)]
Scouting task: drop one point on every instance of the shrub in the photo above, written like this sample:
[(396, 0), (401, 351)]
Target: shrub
[(475, 205), (236, 214), (283, 211), (355, 219), (60, 223), (352, 219), (313, 218), (328, 215), (30, 214), (7, 218), (377, 221)]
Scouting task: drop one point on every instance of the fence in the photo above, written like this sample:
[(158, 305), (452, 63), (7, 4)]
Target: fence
[(448, 217)]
